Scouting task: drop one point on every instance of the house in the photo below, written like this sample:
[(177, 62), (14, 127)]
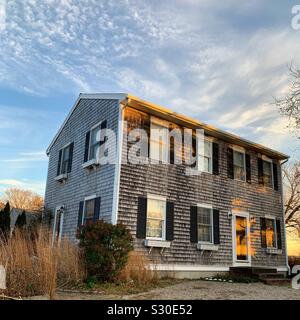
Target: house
[(223, 210)]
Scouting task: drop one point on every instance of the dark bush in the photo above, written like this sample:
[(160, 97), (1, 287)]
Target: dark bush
[(106, 248)]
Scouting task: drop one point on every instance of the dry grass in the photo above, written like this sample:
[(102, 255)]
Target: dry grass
[(36, 266), (138, 270)]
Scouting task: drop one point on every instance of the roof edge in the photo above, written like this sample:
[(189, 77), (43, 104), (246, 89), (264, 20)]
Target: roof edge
[(210, 128), (103, 96)]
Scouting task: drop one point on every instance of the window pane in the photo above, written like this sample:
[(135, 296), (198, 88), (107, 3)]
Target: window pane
[(267, 169), (238, 165), (270, 233), (154, 228), (66, 153), (204, 225), (89, 210), (208, 149), (159, 142), (155, 218), (95, 143), (204, 233)]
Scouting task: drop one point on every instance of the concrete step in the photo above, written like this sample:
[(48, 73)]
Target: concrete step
[(271, 275), (277, 281)]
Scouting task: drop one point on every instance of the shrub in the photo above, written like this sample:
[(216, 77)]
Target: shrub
[(5, 220), (21, 220), (137, 270), (106, 248), (36, 266)]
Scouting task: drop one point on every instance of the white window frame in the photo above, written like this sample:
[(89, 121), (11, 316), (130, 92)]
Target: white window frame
[(163, 124), (267, 159), (90, 142), (60, 226), (207, 206), (158, 198), (243, 151), (62, 157), (269, 217), (210, 140), (84, 204)]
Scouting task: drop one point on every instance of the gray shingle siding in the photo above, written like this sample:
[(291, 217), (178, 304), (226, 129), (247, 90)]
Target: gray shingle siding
[(81, 182), (223, 193)]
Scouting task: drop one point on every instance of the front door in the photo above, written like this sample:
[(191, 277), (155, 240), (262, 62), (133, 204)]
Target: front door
[(241, 239)]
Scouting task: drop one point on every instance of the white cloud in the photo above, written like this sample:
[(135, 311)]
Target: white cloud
[(35, 186)]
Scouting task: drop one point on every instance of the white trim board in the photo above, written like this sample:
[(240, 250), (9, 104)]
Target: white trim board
[(103, 96), (220, 268)]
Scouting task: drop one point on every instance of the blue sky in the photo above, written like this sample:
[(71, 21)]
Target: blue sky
[(220, 62)]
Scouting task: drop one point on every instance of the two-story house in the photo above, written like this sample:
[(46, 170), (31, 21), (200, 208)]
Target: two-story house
[(230, 215)]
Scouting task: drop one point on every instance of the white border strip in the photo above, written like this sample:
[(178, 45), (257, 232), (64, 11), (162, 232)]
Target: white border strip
[(178, 267)]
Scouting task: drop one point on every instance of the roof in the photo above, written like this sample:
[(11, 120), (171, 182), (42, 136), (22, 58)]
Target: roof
[(168, 114)]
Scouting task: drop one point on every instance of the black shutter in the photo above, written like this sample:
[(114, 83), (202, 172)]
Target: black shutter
[(193, 225), (278, 233), (194, 149), (275, 176), (216, 226), (230, 163), (70, 157), (170, 221), (172, 146), (87, 146), (80, 213), (141, 218), (248, 168), (215, 166), (146, 127), (97, 209), (260, 168), (59, 163), (263, 232)]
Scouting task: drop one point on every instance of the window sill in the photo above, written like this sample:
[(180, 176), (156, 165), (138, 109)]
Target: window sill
[(90, 164), (157, 243), (273, 251), (62, 177), (207, 246)]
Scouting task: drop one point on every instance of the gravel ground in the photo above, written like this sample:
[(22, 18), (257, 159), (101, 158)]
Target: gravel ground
[(202, 290)]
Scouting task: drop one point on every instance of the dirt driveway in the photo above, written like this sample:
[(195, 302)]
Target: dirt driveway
[(202, 290)]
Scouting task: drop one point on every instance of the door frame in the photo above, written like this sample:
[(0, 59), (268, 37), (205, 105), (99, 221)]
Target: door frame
[(58, 208), (235, 262)]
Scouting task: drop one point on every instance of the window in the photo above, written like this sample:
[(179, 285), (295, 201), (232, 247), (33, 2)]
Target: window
[(239, 165), (159, 142), (205, 161), (65, 158), (205, 224), (89, 210), (156, 214), (271, 233), (95, 141), (267, 174)]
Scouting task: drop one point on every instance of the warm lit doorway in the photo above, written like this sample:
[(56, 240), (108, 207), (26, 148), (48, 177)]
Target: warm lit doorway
[(241, 239)]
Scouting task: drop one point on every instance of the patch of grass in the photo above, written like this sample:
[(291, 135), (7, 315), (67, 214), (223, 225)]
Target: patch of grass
[(121, 288)]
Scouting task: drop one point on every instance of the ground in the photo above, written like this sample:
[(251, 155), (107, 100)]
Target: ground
[(199, 290)]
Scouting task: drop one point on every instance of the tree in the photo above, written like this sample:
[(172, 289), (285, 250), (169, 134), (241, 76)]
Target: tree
[(290, 105), (24, 199), (5, 220), (291, 184), (21, 220)]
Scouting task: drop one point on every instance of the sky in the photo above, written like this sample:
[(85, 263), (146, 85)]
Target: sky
[(221, 62)]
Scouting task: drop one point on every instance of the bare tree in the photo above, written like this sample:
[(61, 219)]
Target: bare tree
[(23, 199), (290, 105), (291, 184)]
